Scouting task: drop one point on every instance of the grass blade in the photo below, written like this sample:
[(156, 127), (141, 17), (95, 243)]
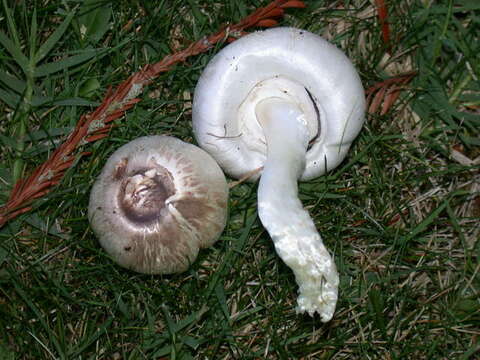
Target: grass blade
[(33, 34), (9, 98), (426, 222), (11, 25), (12, 82), (48, 45), (95, 23), (15, 51), (54, 67)]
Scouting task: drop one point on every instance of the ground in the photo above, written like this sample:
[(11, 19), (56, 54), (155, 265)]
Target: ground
[(400, 214)]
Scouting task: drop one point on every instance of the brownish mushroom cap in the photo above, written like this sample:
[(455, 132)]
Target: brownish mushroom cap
[(157, 201)]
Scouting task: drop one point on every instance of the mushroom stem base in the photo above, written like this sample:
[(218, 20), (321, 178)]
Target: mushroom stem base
[(292, 230)]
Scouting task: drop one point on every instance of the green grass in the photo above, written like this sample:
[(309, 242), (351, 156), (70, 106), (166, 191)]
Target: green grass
[(401, 214)]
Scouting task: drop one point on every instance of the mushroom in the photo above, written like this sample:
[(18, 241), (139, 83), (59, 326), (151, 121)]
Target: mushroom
[(157, 201), (286, 100)]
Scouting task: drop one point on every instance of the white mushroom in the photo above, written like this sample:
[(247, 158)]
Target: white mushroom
[(156, 202), (289, 101)]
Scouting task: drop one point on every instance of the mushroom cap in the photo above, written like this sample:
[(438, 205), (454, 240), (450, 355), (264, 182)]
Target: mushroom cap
[(156, 202), (288, 63)]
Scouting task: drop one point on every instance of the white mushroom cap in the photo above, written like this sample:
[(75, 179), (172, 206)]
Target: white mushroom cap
[(289, 101), (290, 64), (156, 202)]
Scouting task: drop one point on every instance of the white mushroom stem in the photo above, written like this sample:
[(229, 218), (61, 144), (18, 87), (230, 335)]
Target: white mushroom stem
[(292, 230), (259, 103)]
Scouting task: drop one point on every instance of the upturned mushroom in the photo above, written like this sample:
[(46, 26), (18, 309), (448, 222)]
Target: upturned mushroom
[(289, 101), (157, 201)]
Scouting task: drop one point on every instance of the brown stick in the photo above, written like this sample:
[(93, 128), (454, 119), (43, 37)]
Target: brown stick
[(383, 19), (93, 126), (385, 93)]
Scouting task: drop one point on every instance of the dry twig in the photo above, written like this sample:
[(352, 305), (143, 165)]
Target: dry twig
[(383, 19), (96, 125), (386, 92)]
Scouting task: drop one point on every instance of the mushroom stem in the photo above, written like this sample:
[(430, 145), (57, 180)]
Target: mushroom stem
[(292, 230)]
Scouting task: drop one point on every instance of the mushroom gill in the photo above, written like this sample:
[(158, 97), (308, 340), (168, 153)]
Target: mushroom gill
[(157, 201)]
